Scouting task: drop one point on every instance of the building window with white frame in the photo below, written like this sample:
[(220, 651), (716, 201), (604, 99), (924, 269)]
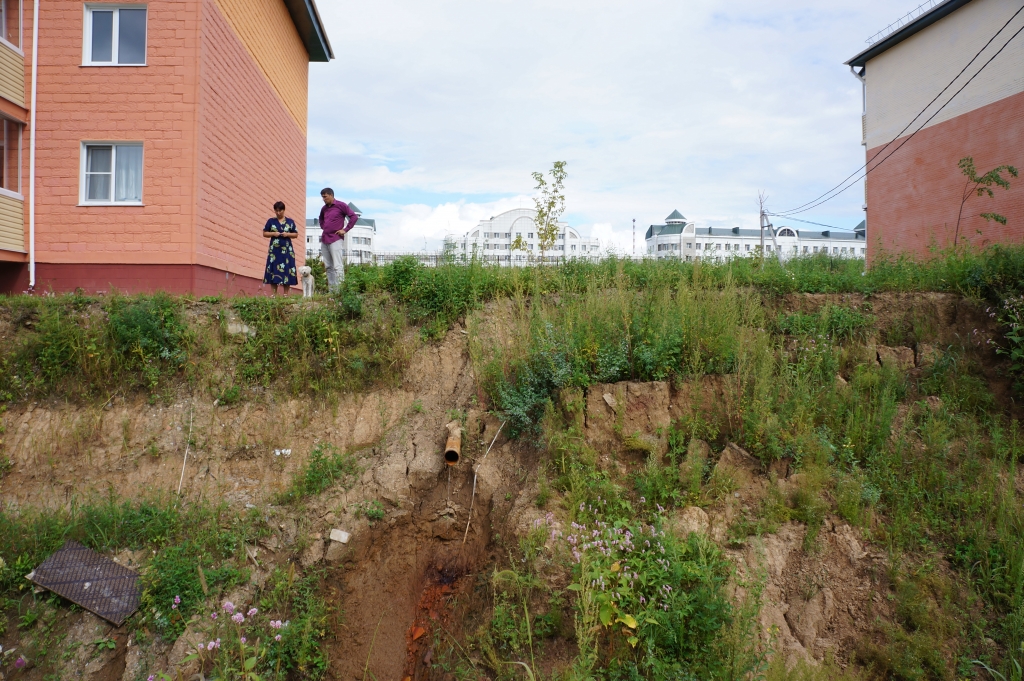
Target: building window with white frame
[(115, 35), (112, 173), (10, 21), (10, 156)]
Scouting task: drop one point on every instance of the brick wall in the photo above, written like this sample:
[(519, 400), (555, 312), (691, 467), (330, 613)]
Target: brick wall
[(252, 153), (268, 33), (913, 198), (155, 104)]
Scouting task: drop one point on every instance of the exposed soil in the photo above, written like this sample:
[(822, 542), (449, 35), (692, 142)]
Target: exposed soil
[(404, 582)]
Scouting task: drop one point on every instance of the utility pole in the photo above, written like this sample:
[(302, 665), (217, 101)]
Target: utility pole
[(634, 238), (761, 198)]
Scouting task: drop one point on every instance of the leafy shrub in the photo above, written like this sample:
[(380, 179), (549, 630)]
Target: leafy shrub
[(654, 595), (1012, 317), (149, 335)]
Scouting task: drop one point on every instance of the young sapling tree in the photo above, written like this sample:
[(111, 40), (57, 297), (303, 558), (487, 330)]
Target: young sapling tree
[(981, 185)]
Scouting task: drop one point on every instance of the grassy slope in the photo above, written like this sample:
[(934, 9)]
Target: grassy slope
[(941, 480)]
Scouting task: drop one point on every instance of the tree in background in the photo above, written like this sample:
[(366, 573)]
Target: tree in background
[(981, 185), (550, 205)]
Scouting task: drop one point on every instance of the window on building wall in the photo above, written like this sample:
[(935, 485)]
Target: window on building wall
[(805, 249), (747, 247), (10, 21), (115, 35), (769, 248), (863, 251), (835, 249), (698, 247), (10, 156), (728, 247), (529, 235), (718, 247), (112, 173)]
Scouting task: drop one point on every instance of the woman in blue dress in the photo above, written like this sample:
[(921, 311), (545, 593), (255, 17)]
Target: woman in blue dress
[(281, 258)]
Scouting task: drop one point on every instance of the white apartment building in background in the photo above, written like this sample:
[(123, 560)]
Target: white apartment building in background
[(492, 239), (360, 241), (679, 238)]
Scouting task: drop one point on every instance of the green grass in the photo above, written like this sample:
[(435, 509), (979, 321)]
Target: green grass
[(89, 348), (326, 466), (927, 483), (178, 538)]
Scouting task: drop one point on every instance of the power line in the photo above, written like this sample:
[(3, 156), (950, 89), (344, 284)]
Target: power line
[(908, 138), (921, 113), (820, 224)]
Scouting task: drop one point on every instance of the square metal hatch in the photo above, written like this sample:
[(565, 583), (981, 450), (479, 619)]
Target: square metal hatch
[(90, 580)]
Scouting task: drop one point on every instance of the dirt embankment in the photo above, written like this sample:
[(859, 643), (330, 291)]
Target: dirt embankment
[(395, 579), (393, 573)]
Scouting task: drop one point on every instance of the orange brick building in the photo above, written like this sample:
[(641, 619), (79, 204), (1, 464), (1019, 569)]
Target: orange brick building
[(913, 197), (164, 133)]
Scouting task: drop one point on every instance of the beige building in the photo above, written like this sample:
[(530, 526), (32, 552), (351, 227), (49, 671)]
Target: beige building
[(941, 84)]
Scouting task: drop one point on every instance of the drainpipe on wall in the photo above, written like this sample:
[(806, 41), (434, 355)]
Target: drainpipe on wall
[(32, 152), (863, 121)]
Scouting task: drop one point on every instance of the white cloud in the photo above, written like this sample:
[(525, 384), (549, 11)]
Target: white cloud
[(435, 112)]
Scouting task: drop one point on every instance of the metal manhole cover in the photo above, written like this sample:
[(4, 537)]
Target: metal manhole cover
[(90, 580)]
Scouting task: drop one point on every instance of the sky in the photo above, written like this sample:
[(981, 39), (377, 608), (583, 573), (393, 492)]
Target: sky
[(434, 113)]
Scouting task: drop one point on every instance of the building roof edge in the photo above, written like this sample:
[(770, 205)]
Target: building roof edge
[(922, 22), (311, 29)]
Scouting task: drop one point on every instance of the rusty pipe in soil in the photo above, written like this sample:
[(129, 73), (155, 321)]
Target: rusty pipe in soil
[(453, 447)]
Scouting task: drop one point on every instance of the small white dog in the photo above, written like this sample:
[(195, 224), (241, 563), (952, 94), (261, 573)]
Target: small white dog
[(306, 274)]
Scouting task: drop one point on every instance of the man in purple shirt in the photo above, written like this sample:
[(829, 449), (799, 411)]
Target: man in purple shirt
[(332, 241)]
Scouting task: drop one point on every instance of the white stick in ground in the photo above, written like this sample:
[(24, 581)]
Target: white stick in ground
[(475, 469), (188, 443)]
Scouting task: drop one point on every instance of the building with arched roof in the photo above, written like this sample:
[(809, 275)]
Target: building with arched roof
[(493, 240), (680, 238)]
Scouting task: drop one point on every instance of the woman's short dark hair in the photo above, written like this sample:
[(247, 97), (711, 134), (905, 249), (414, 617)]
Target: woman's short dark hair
[(279, 205)]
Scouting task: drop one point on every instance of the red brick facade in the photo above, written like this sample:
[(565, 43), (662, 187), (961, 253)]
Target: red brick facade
[(251, 154), (220, 146), (913, 198)]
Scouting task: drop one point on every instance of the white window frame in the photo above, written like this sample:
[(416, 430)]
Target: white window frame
[(21, 31), (82, 200), (9, 192), (114, 46)]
